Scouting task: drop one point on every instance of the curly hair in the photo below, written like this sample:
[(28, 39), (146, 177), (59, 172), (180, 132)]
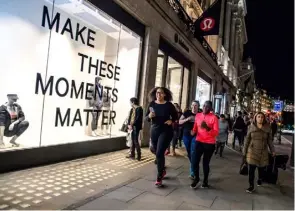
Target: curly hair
[(264, 118), (168, 94)]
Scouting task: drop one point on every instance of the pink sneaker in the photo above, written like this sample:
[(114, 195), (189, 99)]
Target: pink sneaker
[(158, 182), (164, 174)]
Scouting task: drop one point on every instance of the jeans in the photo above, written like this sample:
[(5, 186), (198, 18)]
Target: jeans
[(189, 143), (220, 146), (135, 143), (160, 138), (252, 169), (18, 129), (207, 150)]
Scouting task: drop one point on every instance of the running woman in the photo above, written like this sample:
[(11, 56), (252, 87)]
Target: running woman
[(162, 113), (206, 127)]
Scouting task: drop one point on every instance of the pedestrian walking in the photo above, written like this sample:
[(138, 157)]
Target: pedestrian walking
[(239, 130), (135, 125), (176, 131), (206, 128), (255, 152), (162, 114), (222, 135), (187, 121)]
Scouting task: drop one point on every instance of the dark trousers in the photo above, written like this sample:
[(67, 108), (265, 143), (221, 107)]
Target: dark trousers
[(135, 143), (220, 146), (161, 137), (17, 130), (95, 117), (240, 136), (207, 150), (175, 138), (252, 169)]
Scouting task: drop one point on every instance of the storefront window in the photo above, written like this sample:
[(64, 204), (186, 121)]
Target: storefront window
[(160, 67), (203, 91), (74, 75), (174, 73)]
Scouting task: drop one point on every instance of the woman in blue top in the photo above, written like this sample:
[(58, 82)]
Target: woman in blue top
[(162, 113)]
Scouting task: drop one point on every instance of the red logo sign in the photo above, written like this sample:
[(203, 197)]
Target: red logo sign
[(207, 24)]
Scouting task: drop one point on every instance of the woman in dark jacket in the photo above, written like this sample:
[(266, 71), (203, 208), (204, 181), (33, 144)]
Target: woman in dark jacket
[(258, 140), (135, 124)]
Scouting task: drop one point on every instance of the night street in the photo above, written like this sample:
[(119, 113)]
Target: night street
[(111, 181), (94, 94)]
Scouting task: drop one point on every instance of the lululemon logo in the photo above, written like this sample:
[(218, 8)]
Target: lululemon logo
[(207, 24)]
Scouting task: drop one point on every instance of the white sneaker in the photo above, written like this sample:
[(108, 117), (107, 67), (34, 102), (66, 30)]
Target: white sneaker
[(2, 146)]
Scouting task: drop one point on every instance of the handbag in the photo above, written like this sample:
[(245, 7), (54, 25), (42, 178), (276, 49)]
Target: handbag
[(129, 139), (244, 168), (124, 127)]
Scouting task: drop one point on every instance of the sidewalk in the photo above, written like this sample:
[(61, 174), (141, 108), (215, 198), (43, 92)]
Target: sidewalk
[(110, 181)]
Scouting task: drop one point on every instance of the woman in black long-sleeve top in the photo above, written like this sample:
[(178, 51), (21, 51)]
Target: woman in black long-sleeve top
[(162, 113)]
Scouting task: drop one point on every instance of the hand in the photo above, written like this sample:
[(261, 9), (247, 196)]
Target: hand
[(204, 125), (11, 126), (191, 118), (168, 122), (273, 154), (193, 133), (130, 127), (152, 115)]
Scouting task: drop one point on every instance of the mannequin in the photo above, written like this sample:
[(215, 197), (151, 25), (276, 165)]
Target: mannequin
[(12, 121), (96, 104), (106, 107)]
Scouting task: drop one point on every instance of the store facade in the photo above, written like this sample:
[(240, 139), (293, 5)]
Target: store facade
[(68, 72), (203, 88), (173, 72), (68, 75)]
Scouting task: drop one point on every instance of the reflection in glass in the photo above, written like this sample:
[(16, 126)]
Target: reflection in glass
[(160, 66), (203, 91), (185, 89), (174, 73)]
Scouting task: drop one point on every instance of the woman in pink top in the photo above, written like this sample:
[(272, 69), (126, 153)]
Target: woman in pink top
[(206, 128)]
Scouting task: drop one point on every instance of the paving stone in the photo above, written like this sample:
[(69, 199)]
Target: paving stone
[(124, 193), (221, 204), (192, 196), (150, 201), (149, 186), (104, 203), (239, 205), (188, 206)]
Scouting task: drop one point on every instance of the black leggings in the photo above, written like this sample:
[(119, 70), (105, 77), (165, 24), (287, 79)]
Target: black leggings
[(207, 150), (161, 137), (252, 169)]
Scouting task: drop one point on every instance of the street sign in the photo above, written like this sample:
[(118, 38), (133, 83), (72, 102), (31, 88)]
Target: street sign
[(278, 106)]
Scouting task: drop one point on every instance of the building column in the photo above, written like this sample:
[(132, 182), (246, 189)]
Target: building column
[(237, 47), (220, 36), (150, 55), (227, 34), (193, 81), (232, 36)]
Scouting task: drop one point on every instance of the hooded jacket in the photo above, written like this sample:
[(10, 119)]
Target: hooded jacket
[(256, 145)]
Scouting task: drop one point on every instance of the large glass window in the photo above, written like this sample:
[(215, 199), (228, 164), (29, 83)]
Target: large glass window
[(68, 77), (160, 68), (174, 73), (203, 91)]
